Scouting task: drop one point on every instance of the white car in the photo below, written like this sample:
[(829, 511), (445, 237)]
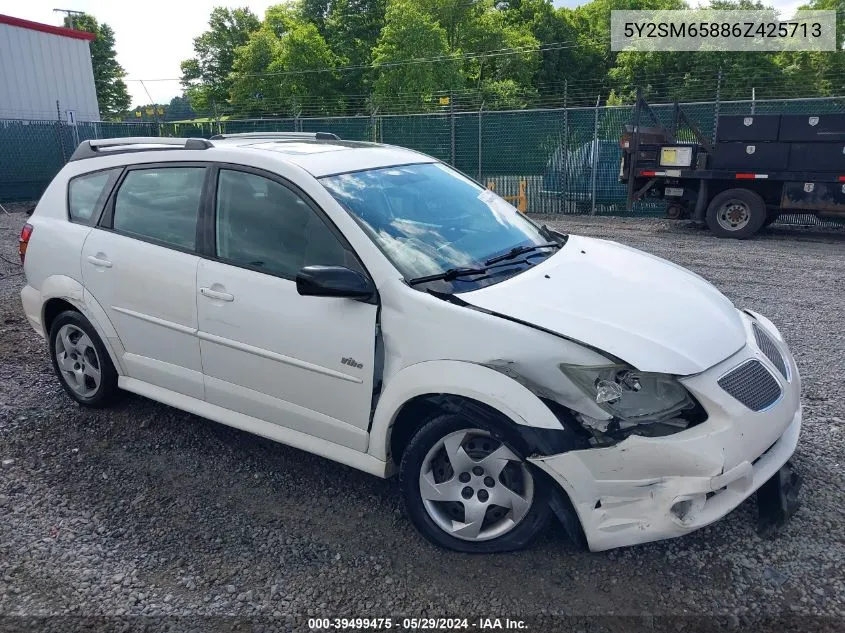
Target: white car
[(370, 304)]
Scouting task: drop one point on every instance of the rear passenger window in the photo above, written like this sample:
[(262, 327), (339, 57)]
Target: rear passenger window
[(160, 204), (84, 194)]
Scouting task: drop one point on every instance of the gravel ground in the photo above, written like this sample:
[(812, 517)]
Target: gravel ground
[(145, 510)]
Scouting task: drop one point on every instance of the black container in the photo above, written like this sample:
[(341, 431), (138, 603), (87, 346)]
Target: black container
[(750, 156), (818, 157), (814, 196), (812, 128), (736, 127)]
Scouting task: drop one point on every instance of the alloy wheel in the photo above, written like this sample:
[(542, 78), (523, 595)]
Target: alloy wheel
[(474, 487), (78, 360)]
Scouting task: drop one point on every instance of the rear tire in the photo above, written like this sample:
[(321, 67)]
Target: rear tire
[(736, 213), (467, 489), (81, 361)]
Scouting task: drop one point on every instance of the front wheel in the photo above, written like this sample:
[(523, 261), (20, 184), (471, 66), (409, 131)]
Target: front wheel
[(465, 488), (737, 213)]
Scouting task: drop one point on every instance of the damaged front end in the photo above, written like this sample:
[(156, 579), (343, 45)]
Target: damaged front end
[(645, 456), (633, 402)]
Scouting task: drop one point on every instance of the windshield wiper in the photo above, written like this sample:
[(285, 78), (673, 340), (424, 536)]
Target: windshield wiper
[(448, 275), (520, 250)]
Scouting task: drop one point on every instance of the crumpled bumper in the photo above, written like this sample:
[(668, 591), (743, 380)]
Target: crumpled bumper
[(646, 489), (628, 512)]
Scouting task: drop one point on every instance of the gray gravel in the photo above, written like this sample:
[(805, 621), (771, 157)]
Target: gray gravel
[(145, 510)]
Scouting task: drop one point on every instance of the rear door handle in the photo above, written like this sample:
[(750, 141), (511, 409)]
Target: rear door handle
[(216, 294), (101, 263)]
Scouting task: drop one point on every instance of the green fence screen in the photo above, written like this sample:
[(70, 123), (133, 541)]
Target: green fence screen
[(565, 159)]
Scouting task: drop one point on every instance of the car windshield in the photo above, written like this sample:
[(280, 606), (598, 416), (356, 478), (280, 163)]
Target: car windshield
[(429, 219)]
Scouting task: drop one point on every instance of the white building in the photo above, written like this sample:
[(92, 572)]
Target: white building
[(45, 71)]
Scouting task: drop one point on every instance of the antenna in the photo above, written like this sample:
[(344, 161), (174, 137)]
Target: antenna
[(70, 14)]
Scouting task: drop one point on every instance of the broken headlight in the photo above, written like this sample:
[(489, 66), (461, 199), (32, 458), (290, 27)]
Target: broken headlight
[(634, 399)]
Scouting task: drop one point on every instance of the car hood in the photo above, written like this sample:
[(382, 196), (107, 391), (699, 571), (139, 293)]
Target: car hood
[(647, 311)]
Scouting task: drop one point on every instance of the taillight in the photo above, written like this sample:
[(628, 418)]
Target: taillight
[(26, 233)]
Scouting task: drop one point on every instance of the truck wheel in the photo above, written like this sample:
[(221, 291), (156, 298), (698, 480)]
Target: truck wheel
[(736, 213)]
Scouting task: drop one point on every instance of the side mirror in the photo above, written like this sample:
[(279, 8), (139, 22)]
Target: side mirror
[(333, 281)]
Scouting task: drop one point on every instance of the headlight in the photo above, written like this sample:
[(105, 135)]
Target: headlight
[(633, 397)]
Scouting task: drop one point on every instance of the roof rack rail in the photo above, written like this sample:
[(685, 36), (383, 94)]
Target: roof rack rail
[(320, 136), (92, 148)]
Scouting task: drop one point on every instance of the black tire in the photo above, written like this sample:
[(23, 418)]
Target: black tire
[(106, 392), (413, 460), (748, 202)]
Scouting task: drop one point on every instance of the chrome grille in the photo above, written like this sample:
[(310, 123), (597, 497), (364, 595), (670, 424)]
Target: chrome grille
[(768, 347), (752, 384)]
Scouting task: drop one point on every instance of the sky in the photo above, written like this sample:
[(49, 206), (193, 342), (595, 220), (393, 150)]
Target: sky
[(153, 36)]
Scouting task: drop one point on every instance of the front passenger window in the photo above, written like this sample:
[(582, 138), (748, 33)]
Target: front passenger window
[(264, 225)]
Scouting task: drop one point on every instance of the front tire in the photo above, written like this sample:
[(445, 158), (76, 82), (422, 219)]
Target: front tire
[(81, 361), (467, 489), (736, 213)]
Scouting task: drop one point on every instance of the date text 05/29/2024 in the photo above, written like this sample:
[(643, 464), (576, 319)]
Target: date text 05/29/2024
[(417, 624)]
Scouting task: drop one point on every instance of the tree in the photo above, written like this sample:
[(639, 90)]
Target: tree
[(503, 80), (411, 34), (179, 109), (253, 91), (276, 75), (205, 77), (112, 95), (352, 30)]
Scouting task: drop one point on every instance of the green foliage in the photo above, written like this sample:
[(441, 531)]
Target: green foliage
[(411, 34), (112, 95), (273, 74), (348, 56), (205, 76)]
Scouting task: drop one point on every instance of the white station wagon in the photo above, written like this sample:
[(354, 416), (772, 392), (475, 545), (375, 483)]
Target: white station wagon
[(372, 305)]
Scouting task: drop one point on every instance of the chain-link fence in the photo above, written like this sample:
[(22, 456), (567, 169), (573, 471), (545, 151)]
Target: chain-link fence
[(561, 160)]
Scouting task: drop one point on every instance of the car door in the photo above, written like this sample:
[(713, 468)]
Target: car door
[(140, 264), (298, 361)]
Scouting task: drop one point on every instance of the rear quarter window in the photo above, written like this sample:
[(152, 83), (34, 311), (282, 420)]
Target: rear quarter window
[(86, 193)]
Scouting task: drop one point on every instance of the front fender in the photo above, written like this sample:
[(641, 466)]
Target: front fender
[(461, 379)]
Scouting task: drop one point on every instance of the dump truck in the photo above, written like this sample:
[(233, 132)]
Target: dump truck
[(755, 168)]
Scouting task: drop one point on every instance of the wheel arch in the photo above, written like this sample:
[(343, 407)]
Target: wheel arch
[(420, 390), (60, 293)]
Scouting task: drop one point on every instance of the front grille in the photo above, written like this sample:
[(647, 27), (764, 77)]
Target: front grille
[(752, 384), (768, 347)]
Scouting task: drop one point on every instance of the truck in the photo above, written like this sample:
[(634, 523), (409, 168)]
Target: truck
[(755, 168)]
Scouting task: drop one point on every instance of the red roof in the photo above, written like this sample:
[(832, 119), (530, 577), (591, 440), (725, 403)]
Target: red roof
[(46, 28)]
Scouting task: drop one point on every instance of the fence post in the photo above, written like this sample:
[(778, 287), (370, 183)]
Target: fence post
[(373, 120), (480, 110), (595, 157), (565, 183), (60, 141), (452, 124), (753, 99), (716, 109)]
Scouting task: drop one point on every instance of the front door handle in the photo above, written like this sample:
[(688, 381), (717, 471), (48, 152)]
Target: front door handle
[(99, 262), (216, 294)]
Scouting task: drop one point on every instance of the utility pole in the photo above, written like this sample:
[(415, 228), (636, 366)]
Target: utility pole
[(70, 14)]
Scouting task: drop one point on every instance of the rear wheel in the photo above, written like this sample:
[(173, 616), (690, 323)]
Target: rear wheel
[(81, 361), (737, 213), (465, 488)]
